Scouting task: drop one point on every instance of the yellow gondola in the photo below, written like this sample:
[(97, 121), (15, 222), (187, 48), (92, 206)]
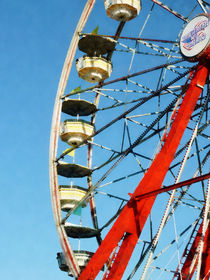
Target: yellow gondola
[(73, 132), (93, 69), (70, 196)]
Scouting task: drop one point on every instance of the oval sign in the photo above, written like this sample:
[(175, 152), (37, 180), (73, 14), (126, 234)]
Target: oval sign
[(195, 37)]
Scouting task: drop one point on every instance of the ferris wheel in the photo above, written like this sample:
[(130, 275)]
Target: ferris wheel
[(129, 150)]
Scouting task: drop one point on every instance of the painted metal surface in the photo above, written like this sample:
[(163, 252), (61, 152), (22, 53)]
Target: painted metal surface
[(203, 267), (54, 188), (191, 261), (169, 9), (131, 221), (174, 186)]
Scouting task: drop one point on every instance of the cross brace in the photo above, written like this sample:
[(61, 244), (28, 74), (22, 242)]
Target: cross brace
[(128, 226), (173, 187)]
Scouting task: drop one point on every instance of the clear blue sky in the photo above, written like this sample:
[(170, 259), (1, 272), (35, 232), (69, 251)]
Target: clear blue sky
[(34, 38)]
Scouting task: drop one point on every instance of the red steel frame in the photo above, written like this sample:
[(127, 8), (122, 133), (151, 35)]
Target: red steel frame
[(205, 268), (128, 226), (191, 260)]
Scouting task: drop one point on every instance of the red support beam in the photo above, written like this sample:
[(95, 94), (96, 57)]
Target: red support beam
[(191, 261), (122, 259), (174, 186), (205, 268), (132, 219)]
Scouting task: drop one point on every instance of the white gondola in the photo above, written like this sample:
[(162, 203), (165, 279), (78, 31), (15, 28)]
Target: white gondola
[(82, 257), (74, 132), (70, 196), (93, 69), (122, 10)]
